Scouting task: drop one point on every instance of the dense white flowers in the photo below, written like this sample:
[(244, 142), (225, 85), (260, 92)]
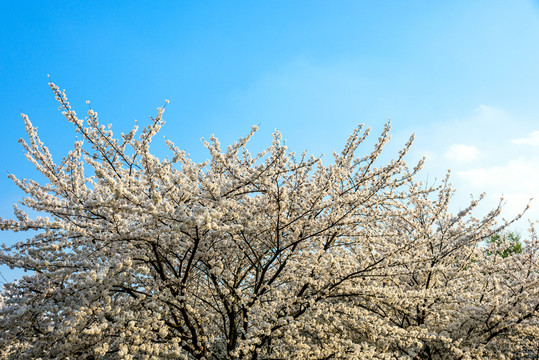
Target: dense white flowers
[(272, 256)]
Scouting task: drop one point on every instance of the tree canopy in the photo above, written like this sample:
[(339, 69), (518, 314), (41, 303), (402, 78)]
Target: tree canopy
[(269, 256)]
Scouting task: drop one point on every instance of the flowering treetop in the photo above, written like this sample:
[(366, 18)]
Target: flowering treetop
[(267, 256)]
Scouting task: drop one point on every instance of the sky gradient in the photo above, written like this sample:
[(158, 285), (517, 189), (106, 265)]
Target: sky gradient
[(464, 76)]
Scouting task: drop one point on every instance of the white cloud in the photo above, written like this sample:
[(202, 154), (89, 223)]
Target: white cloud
[(517, 181), (484, 158), (517, 175), (532, 139), (461, 153)]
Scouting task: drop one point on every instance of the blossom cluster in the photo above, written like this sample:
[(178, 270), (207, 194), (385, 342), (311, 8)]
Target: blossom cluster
[(268, 256)]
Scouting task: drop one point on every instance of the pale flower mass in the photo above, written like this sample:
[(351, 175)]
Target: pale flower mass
[(273, 255)]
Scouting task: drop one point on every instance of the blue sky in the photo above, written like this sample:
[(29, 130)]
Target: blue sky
[(463, 75)]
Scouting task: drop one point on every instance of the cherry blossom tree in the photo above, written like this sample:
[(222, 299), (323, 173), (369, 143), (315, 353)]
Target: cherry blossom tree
[(269, 256)]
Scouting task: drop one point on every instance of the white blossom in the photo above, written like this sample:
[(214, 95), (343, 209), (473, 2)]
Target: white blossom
[(271, 256)]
